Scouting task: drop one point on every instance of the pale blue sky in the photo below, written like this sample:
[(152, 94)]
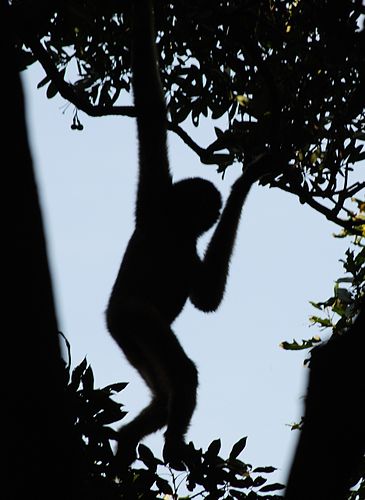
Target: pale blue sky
[(285, 256)]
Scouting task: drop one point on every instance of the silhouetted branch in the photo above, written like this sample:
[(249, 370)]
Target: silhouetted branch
[(67, 91), (305, 197), (205, 156), (355, 188)]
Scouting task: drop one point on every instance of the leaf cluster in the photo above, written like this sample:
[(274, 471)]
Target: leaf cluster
[(339, 310), (91, 411), (283, 77), (348, 293), (206, 475)]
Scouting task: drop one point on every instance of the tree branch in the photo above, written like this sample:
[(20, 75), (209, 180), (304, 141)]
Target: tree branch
[(305, 197), (67, 91), (355, 188), (344, 193), (205, 157)]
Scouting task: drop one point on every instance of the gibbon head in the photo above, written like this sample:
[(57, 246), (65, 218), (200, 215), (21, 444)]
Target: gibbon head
[(196, 205)]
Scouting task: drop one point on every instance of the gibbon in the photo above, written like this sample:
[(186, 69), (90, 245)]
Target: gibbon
[(161, 268)]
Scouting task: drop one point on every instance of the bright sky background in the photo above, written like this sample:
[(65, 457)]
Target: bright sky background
[(285, 255)]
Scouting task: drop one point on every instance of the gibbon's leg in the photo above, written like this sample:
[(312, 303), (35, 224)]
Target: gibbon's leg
[(151, 419), (125, 325), (152, 348)]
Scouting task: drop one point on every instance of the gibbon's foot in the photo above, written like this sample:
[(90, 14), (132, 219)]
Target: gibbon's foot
[(126, 454), (175, 453)]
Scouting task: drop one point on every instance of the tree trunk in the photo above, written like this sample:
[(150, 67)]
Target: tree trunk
[(332, 442), (40, 455)]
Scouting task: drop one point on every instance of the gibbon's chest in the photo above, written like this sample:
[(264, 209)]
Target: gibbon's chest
[(158, 266)]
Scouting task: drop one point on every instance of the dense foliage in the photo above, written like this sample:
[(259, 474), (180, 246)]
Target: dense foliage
[(280, 77), (207, 475)]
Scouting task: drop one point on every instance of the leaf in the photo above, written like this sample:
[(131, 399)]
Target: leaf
[(43, 82), (344, 295), (317, 305), (88, 380), (356, 155), (239, 467), (164, 486), (238, 448), (258, 481), (77, 374), (265, 470), (344, 280), (112, 413), (146, 455), (114, 388), (108, 433), (218, 132), (195, 117), (306, 344), (242, 100), (182, 113), (214, 447), (68, 347), (245, 483), (324, 322), (51, 90), (272, 487), (236, 494)]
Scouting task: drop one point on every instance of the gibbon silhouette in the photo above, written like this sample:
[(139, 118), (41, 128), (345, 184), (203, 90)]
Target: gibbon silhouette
[(161, 268)]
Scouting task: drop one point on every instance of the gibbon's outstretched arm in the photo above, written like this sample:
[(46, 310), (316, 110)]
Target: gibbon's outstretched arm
[(155, 180), (210, 283)]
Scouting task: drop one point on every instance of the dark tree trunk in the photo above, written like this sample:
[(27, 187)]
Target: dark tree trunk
[(40, 457), (332, 443)]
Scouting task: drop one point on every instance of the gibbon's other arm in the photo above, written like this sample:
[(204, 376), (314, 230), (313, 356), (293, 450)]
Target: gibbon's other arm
[(211, 277), (155, 180)]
